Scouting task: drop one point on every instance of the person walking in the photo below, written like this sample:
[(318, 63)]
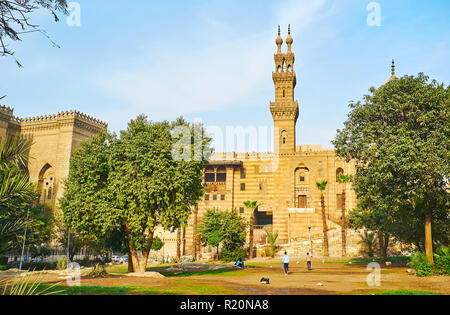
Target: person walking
[(286, 261), (309, 261)]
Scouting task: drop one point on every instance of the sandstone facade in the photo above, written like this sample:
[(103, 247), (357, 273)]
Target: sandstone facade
[(283, 182), (55, 138)]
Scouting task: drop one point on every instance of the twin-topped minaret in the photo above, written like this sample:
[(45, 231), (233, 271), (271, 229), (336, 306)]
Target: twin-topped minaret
[(284, 110)]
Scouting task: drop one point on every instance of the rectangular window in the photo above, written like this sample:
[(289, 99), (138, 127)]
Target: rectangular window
[(207, 197), (243, 173), (215, 197), (242, 187), (241, 210), (222, 197)]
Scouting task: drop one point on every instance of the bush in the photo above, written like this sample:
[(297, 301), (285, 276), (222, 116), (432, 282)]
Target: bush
[(442, 261), (420, 263), (62, 263), (157, 244), (232, 253), (34, 266), (3, 268), (98, 271)]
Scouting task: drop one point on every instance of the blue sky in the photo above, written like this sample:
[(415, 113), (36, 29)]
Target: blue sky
[(214, 59)]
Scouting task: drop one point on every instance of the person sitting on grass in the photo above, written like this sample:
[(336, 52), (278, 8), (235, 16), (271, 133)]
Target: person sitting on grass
[(239, 264)]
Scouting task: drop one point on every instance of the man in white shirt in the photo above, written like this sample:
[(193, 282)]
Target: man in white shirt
[(286, 261)]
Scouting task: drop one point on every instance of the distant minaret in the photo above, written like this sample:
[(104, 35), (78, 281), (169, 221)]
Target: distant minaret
[(393, 76), (284, 110)]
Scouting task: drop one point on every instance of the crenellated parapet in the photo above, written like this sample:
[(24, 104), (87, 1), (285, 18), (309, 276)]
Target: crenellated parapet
[(75, 118), (6, 113)]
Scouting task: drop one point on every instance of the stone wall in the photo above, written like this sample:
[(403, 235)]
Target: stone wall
[(299, 248)]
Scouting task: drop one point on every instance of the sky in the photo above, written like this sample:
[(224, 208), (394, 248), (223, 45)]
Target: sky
[(212, 60)]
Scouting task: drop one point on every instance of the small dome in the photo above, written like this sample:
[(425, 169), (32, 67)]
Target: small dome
[(289, 40), (279, 40)]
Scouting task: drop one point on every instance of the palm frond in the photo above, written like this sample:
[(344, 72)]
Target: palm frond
[(322, 185), (15, 150), (14, 185)]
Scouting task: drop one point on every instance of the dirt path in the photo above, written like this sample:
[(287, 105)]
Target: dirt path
[(336, 279)]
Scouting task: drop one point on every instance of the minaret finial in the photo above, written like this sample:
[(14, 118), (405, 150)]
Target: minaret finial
[(393, 67), (289, 29), (279, 30)]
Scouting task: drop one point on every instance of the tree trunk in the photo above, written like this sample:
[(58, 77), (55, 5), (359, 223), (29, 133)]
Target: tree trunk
[(428, 238), (252, 222), (344, 227), (195, 232), (145, 254), (179, 244), (326, 251), (184, 241), (384, 240), (130, 263), (133, 258)]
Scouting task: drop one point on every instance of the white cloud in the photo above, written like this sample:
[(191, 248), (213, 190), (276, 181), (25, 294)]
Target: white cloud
[(211, 76)]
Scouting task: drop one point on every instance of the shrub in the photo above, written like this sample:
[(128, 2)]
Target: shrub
[(272, 237), (232, 253), (98, 271), (442, 261), (420, 263), (62, 263), (3, 268), (157, 244)]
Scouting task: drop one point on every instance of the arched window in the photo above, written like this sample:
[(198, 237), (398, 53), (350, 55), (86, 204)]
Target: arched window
[(279, 69), (339, 171), (284, 135), (284, 93), (289, 68)]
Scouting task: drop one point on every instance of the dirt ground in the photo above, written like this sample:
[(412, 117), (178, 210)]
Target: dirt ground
[(335, 278)]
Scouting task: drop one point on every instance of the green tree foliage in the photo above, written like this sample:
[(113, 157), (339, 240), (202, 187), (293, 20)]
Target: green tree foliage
[(17, 196), (16, 192), (399, 136), (272, 237), (157, 244), (131, 185), (224, 228)]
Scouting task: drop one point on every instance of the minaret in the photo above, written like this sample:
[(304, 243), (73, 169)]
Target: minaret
[(284, 110), (393, 76)]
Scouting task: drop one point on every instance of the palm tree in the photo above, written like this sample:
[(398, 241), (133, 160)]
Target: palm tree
[(252, 205), (15, 188), (272, 237), (322, 186), (8, 233), (344, 179)]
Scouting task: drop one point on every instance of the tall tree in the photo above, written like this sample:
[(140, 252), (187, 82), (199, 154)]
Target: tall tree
[(16, 192), (344, 180), (399, 135), (322, 186), (133, 183), (224, 228), (15, 19), (252, 206)]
